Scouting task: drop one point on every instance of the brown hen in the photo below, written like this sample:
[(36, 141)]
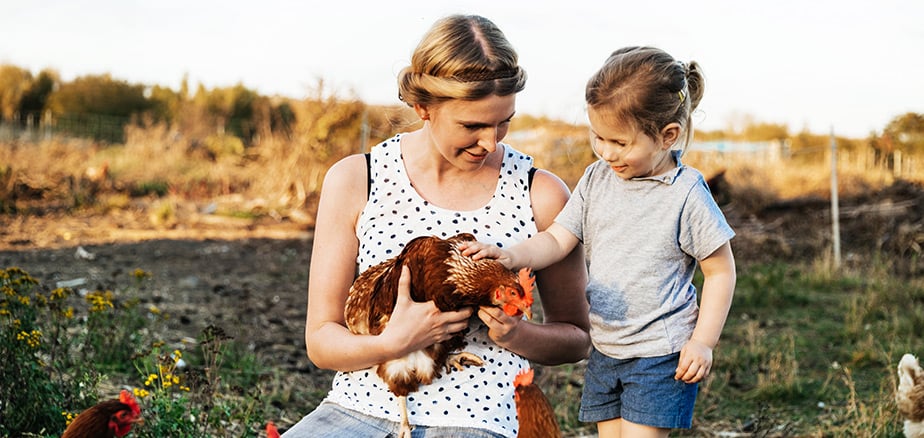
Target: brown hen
[(439, 273), (106, 419), (534, 412)]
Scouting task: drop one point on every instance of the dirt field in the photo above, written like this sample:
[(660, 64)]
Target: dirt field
[(250, 277)]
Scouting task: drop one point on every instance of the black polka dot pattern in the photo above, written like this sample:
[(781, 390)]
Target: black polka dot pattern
[(395, 214)]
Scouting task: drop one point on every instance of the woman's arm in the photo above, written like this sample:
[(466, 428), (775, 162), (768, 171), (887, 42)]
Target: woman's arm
[(333, 267), (563, 336)]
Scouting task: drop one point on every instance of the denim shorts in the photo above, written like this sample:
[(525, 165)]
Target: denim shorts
[(334, 421), (640, 390)]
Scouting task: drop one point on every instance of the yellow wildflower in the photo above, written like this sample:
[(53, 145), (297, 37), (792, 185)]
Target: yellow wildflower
[(60, 293), (32, 339), (99, 301)]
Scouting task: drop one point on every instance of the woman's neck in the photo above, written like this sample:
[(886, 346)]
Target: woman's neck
[(441, 183)]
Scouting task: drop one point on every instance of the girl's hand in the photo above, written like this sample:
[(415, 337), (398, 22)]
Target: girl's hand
[(500, 325), (695, 362), (414, 326), (478, 250)]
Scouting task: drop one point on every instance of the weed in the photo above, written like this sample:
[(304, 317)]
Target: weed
[(59, 349)]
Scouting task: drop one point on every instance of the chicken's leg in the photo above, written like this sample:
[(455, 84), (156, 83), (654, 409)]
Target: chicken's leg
[(405, 430), (459, 360)]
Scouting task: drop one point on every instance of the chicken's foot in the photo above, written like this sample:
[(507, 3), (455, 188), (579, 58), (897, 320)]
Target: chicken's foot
[(405, 430), (461, 359)]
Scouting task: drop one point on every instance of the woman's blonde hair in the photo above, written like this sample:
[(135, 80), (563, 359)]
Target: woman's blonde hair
[(646, 88), (461, 57)]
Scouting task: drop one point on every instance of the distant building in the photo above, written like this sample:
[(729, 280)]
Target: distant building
[(763, 150)]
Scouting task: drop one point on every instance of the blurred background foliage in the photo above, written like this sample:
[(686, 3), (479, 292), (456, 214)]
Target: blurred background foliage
[(44, 99), (98, 141)]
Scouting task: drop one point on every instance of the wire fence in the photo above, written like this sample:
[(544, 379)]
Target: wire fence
[(40, 127), (727, 154)]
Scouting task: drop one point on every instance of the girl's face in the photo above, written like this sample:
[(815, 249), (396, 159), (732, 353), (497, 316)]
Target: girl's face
[(466, 132), (631, 153)]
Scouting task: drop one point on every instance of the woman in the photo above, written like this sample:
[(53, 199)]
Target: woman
[(452, 175)]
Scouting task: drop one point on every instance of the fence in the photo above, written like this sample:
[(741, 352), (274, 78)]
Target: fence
[(726, 154), (35, 127)]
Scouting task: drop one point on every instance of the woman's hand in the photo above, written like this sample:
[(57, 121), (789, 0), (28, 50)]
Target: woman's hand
[(414, 326), (501, 326)]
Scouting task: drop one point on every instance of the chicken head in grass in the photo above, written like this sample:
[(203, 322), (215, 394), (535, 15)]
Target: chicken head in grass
[(439, 273), (909, 396), (106, 419), (534, 411)]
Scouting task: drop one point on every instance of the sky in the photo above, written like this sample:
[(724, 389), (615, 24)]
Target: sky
[(845, 66)]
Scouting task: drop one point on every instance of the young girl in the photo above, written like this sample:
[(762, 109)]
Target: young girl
[(645, 220)]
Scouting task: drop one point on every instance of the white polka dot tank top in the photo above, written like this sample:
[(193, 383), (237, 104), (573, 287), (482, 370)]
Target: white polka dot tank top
[(395, 213)]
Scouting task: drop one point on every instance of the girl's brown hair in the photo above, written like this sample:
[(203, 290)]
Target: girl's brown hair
[(646, 88)]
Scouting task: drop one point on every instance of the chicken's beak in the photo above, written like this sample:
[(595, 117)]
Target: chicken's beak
[(526, 310)]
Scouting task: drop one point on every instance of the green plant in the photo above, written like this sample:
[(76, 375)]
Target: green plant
[(35, 357), (207, 400), (59, 355)]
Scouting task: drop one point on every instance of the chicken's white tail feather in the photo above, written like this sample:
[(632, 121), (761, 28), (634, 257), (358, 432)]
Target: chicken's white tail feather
[(908, 369), (418, 362)]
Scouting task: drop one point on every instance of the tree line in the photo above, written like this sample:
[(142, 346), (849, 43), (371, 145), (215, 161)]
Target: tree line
[(101, 100), (31, 100)]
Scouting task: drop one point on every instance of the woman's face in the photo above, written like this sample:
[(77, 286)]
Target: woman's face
[(466, 132), (630, 153)]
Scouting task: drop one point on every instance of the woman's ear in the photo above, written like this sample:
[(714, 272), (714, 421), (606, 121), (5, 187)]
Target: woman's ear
[(422, 111), (669, 135)]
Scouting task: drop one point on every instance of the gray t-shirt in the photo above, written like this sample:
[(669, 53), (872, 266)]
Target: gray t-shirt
[(642, 239)]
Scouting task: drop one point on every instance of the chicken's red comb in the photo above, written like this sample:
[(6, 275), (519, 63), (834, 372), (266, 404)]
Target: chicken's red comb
[(528, 283), (127, 398), (523, 378), (271, 431)]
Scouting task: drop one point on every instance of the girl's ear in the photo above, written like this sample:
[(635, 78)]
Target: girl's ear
[(422, 111), (669, 135)]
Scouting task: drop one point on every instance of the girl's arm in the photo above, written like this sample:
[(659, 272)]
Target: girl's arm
[(718, 288), (538, 252), (333, 266), (563, 335), (543, 249)]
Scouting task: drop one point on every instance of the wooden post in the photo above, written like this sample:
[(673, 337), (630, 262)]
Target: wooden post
[(364, 132), (835, 213)]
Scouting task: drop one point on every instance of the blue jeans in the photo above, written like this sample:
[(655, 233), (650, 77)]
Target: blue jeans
[(640, 390), (334, 421)]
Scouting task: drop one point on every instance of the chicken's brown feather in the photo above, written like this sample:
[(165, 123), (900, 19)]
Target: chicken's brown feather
[(439, 273), (94, 421)]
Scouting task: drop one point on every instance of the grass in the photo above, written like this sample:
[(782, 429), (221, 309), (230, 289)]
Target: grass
[(807, 353)]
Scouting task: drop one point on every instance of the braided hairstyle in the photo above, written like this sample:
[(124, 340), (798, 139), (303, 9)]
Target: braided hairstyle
[(646, 88), (461, 57)]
